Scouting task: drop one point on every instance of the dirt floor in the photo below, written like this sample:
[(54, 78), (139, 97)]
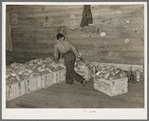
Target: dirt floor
[(75, 96)]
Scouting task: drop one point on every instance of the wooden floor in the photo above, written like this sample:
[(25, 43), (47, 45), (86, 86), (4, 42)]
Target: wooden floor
[(67, 96)]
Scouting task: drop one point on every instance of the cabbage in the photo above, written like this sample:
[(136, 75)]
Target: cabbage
[(123, 74), (117, 70), (105, 75), (13, 74), (13, 65), (110, 77), (112, 72)]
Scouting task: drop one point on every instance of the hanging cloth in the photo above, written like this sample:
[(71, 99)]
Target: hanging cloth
[(86, 16), (8, 33)]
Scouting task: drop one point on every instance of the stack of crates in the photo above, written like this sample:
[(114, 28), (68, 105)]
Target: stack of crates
[(32, 84), (111, 87)]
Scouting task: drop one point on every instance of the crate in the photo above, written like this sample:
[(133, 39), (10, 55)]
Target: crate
[(62, 75), (47, 80), (85, 72), (33, 84), (54, 77), (15, 90), (39, 82), (111, 87)]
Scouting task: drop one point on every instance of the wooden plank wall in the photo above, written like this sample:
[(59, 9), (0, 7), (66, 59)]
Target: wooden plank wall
[(123, 25)]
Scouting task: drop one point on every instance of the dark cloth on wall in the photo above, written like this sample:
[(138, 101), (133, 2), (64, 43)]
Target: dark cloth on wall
[(70, 73), (86, 16), (8, 33)]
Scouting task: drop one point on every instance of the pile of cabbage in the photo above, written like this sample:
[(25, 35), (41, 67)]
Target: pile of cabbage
[(18, 71), (110, 72)]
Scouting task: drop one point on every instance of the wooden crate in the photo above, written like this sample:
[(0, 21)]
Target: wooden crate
[(55, 77), (15, 90), (39, 82), (85, 72), (62, 74), (32, 84), (111, 87), (47, 80)]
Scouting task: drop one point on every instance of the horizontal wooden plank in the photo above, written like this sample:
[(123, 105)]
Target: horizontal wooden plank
[(22, 60), (43, 50), (110, 47), (125, 67), (31, 55), (9, 53), (30, 44), (111, 53), (86, 32), (45, 37), (25, 25), (9, 58), (103, 7), (122, 60), (121, 48), (43, 9), (85, 46), (53, 18), (132, 60), (17, 39), (25, 59), (121, 53), (132, 54), (50, 41), (17, 35), (17, 30)]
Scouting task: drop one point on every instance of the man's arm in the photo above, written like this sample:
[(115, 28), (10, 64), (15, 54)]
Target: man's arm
[(74, 49), (56, 53)]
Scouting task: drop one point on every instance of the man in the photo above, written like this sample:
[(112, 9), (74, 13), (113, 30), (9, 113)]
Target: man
[(69, 53)]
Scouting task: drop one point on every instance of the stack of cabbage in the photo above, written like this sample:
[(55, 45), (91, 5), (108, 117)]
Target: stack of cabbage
[(109, 72), (17, 71)]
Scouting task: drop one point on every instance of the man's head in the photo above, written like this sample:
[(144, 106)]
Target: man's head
[(60, 36)]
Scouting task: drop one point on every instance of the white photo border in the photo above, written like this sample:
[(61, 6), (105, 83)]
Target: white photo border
[(124, 113)]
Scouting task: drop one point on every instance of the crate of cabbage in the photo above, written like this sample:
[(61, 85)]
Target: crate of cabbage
[(111, 81), (83, 69), (31, 76), (28, 85)]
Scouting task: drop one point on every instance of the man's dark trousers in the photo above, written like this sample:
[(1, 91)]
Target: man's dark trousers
[(70, 59)]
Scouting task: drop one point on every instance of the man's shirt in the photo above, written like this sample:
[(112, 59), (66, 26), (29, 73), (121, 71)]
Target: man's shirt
[(63, 47)]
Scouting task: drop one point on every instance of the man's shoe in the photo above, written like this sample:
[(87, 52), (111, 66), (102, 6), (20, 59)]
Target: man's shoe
[(84, 83)]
